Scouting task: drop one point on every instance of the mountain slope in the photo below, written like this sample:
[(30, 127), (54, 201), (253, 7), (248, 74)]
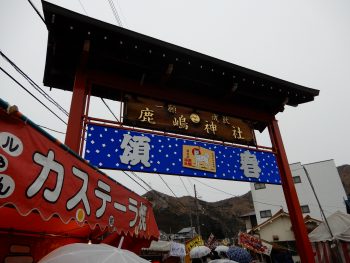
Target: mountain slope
[(220, 218), (344, 173)]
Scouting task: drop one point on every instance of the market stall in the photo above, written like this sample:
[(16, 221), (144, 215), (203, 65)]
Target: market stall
[(165, 251), (331, 239), (50, 197)]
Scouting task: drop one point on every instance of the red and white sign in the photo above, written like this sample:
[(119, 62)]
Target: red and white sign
[(253, 243), (37, 173)]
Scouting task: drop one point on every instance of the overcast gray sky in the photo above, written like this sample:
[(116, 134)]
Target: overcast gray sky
[(304, 42)]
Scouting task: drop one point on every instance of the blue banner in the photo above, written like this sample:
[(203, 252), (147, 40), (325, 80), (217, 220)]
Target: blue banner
[(112, 148)]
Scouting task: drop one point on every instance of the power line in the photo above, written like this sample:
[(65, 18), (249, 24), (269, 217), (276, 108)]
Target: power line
[(109, 109), (177, 199), (37, 12), (150, 187), (167, 185), (115, 13), (215, 188), (51, 129), (138, 177), (33, 84), (31, 94), (135, 181), (232, 194), (184, 186), (189, 181), (81, 4), (117, 5)]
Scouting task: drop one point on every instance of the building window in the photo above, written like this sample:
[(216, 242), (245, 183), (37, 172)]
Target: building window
[(265, 213), (296, 179), (258, 186), (305, 209)]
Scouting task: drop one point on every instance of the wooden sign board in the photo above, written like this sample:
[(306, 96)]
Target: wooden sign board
[(157, 115)]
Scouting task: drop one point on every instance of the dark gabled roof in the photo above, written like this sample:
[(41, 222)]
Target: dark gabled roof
[(281, 213), (252, 213), (149, 61), (186, 230)]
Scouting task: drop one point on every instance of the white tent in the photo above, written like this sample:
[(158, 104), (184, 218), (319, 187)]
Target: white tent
[(162, 246), (339, 223), (173, 248)]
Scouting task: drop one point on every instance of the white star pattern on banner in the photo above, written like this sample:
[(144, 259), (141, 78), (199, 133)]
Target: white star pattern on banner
[(165, 156)]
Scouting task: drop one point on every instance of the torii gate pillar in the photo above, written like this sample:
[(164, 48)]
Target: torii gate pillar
[(77, 108), (296, 217)]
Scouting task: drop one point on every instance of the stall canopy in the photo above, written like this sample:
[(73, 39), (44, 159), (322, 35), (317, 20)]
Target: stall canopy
[(339, 224), (49, 193), (332, 244)]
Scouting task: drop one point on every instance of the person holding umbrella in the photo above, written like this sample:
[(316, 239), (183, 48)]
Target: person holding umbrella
[(239, 254), (199, 254)]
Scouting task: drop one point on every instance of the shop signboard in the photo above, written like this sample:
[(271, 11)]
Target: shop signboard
[(39, 174), (194, 242), (255, 244), (158, 115), (122, 149)]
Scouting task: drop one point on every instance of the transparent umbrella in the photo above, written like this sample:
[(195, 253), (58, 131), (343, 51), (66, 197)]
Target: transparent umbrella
[(200, 251), (223, 261), (85, 253), (221, 249)]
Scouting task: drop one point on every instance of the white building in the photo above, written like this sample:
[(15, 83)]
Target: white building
[(278, 231), (269, 199)]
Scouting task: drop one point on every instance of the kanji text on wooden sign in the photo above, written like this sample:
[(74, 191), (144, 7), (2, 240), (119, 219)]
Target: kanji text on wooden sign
[(157, 115)]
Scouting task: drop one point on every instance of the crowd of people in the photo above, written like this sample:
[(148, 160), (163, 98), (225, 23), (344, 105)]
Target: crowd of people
[(236, 254), (211, 256)]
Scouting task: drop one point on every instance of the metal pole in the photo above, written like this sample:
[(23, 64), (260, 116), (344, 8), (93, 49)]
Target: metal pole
[(318, 201), (197, 210), (191, 223), (324, 216)]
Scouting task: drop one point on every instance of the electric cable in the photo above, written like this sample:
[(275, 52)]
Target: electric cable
[(109, 109), (37, 12), (189, 181), (150, 187), (81, 4), (120, 13), (177, 198), (138, 177), (184, 186), (230, 193), (31, 94), (41, 126), (115, 13), (167, 186), (135, 181), (33, 84)]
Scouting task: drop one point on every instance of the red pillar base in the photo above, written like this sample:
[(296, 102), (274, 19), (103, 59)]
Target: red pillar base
[(296, 217)]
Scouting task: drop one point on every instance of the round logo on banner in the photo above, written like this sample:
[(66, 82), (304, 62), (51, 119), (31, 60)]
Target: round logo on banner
[(11, 144), (7, 186), (80, 215), (111, 221), (3, 163)]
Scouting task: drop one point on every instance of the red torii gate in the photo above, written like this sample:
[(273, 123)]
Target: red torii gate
[(90, 57)]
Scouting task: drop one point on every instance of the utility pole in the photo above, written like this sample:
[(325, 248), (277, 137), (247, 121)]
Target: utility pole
[(191, 223), (335, 243), (197, 210)]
